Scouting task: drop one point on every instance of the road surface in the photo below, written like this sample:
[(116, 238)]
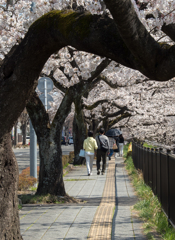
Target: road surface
[(23, 156)]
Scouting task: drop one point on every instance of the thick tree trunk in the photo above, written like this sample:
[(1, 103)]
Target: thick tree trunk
[(49, 138), (15, 134), (95, 123), (77, 145), (96, 34), (9, 218), (106, 124), (80, 131), (51, 169)]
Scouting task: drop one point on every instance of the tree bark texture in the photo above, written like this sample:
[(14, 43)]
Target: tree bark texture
[(123, 40), (80, 132), (9, 218), (93, 125), (106, 124), (49, 139), (86, 32), (149, 53), (15, 134)]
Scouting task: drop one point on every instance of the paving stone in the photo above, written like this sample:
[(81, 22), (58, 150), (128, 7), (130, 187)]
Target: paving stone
[(125, 226), (81, 225), (93, 219), (62, 224), (75, 190)]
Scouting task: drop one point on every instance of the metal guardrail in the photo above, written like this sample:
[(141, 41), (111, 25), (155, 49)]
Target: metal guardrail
[(158, 170)]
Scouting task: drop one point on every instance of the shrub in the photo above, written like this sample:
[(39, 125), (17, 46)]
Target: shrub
[(71, 157), (65, 160), (25, 180)]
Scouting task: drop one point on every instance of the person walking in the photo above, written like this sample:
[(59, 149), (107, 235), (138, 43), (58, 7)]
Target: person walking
[(121, 143), (111, 144), (102, 151), (89, 145), (116, 150)]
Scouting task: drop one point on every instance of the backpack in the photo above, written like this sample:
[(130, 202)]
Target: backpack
[(104, 147)]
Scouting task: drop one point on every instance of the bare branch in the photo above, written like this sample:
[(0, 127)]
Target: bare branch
[(94, 105), (118, 119), (99, 69), (56, 83)]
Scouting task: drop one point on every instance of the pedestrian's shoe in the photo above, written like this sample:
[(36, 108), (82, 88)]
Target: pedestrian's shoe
[(91, 173), (98, 172), (109, 158), (103, 172), (88, 174)]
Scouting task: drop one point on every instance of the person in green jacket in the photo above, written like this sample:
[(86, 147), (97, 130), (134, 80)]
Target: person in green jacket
[(89, 145)]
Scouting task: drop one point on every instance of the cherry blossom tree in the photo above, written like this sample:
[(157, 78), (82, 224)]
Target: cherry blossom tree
[(107, 103), (120, 36), (150, 110), (152, 107), (49, 135), (102, 113)]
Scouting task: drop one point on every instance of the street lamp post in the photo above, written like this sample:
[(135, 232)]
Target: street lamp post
[(33, 152)]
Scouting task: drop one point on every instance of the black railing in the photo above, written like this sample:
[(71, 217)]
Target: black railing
[(159, 173)]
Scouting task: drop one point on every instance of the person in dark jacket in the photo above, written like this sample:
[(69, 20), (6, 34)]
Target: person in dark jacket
[(121, 144), (111, 144), (116, 150), (102, 141)]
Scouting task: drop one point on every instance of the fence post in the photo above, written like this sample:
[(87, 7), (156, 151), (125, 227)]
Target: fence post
[(133, 149), (139, 148), (144, 162), (141, 153), (168, 152), (157, 150), (160, 151), (152, 184), (149, 150)]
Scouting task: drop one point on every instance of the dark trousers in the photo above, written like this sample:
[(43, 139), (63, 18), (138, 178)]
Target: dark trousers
[(101, 155)]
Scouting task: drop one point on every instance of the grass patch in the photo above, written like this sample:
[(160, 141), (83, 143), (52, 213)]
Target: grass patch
[(19, 207), (149, 145), (65, 173), (33, 199), (148, 206), (47, 199), (66, 166), (33, 188)]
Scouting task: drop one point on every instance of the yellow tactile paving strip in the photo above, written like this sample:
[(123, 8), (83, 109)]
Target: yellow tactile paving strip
[(101, 227)]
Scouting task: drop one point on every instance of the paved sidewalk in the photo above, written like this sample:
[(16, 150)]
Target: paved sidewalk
[(93, 219), (125, 225)]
